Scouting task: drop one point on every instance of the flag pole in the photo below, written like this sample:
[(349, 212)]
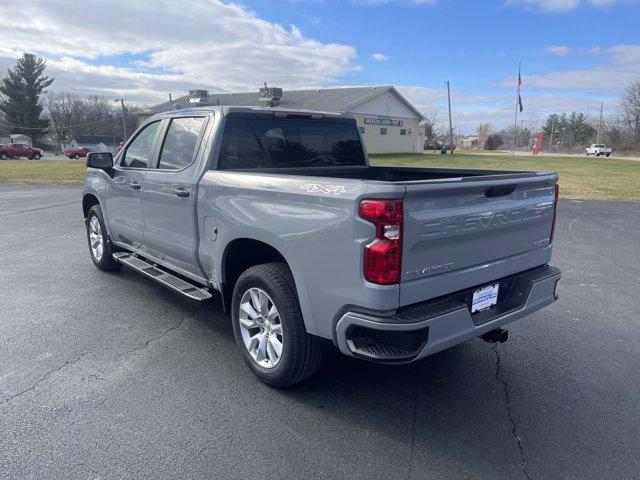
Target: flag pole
[(515, 121)]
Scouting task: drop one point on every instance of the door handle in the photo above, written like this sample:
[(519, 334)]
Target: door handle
[(135, 185), (181, 192)]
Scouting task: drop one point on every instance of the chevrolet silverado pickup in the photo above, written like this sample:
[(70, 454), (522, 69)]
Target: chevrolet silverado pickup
[(279, 214)]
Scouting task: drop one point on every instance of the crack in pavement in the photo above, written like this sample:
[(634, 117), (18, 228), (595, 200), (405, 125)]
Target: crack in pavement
[(42, 379), (163, 334), (514, 429), (413, 431), (39, 208)]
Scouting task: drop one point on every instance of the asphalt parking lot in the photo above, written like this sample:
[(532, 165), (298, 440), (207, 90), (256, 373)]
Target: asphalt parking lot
[(112, 376)]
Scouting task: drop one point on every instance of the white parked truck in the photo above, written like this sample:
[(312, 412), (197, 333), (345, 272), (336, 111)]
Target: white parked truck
[(598, 149)]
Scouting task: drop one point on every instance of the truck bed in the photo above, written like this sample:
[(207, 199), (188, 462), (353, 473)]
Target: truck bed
[(398, 174)]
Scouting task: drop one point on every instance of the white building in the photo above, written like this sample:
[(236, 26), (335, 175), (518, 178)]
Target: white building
[(16, 138), (97, 143), (389, 123)]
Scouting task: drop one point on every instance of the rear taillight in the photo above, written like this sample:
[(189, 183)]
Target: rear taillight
[(383, 256), (555, 211)]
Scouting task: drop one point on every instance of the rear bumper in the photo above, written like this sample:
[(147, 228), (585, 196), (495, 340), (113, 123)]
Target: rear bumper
[(429, 327)]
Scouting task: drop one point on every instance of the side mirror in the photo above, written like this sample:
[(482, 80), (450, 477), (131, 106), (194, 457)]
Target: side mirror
[(101, 160)]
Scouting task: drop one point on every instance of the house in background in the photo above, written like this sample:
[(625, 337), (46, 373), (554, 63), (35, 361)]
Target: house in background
[(388, 122), (97, 143), (16, 138)]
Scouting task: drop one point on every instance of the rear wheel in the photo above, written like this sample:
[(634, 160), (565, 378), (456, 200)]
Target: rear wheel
[(4, 156), (99, 245), (76, 156), (269, 329)]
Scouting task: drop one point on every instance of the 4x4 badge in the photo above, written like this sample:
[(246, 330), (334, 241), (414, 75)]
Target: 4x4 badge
[(326, 189)]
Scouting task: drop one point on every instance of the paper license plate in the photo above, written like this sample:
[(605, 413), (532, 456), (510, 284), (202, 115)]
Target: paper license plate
[(485, 297)]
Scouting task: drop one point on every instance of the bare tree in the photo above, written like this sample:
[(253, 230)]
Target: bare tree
[(483, 131), (72, 115), (431, 132), (630, 106)]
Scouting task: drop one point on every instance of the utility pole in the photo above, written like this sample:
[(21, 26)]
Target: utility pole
[(124, 121), (600, 122), (553, 127), (450, 123)]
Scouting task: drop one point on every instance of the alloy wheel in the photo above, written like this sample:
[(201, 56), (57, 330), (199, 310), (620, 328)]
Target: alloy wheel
[(261, 327), (95, 238)]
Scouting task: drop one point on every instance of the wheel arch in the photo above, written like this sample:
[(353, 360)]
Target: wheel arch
[(239, 255), (88, 201)]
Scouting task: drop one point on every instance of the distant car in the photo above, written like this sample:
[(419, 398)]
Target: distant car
[(598, 149), (78, 153), (18, 150)]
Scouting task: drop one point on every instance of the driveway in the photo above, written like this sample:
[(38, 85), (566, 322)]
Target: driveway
[(107, 375)]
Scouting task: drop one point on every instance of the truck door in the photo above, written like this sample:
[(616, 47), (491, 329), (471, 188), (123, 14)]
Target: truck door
[(124, 199), (169, 199)]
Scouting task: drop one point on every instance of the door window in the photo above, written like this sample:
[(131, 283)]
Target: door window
[(180, 143), (138, 153)]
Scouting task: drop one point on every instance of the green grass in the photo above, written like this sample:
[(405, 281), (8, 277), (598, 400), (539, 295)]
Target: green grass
[(580, 177), (28, 171)]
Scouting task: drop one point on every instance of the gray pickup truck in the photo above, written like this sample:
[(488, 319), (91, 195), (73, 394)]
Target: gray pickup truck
[(279, 213)]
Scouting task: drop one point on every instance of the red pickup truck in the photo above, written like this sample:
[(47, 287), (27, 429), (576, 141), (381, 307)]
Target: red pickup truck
[(77, 153), (18, 150)]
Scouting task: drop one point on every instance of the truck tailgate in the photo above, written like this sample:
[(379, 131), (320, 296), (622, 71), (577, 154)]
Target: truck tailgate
[(470, 231)]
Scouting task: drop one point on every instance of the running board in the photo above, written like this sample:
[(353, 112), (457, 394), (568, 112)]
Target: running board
[(161, 276)]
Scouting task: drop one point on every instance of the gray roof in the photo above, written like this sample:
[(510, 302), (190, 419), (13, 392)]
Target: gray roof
[(95, 139), (322, 99)]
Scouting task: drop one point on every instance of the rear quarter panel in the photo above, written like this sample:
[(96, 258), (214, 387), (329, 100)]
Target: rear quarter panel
[(316, 230)]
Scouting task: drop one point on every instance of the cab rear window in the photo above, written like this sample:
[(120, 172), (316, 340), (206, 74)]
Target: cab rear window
[(264, 142)]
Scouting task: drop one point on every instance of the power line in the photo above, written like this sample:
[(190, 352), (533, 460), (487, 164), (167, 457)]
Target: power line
[(68, 126)]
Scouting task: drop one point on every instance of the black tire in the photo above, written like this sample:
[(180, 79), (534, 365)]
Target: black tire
[(37, 156), (76, 156), (4, 156), (106, 261), (608, 154), (301, 353)]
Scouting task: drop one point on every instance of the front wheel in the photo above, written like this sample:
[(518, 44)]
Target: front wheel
[(99, 245), (608, 154), (269, 329), (36, 156), (3, 156), (76, 156)]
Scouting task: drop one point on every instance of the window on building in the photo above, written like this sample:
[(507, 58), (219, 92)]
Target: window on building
[(361, 129), (383, 131), (403, 131), (180, 143)]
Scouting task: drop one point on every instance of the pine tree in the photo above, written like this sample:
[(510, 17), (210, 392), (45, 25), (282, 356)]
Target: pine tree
[(22, 88)]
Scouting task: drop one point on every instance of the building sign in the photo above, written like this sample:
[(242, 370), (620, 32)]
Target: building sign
[(383, 121)]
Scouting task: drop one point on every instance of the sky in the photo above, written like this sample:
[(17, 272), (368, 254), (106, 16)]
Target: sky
[(574, 53)]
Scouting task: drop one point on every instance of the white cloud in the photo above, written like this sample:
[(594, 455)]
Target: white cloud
[(547, 5), (169, 44), (380, 57), (498, 109), (560, 50), (367, 3), (565, 5), (619, 67)]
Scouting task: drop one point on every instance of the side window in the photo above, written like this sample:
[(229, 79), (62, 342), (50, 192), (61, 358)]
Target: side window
[(139, 151), (239, 148), (180, 143)]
